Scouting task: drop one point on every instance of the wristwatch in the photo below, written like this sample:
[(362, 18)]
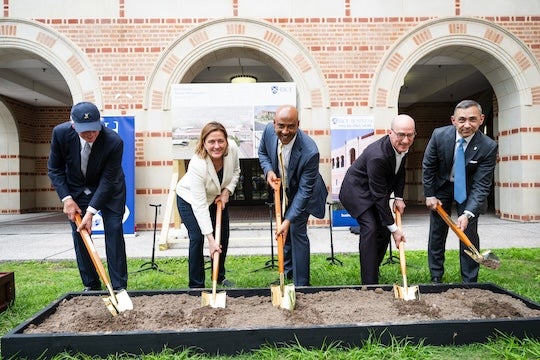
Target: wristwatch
[(468, 215)]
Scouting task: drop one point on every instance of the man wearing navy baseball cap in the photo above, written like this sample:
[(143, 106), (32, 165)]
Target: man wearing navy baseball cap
[(85, 117), (85, 168)]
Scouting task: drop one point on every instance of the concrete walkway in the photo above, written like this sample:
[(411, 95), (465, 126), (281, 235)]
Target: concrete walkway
[(47, 236)]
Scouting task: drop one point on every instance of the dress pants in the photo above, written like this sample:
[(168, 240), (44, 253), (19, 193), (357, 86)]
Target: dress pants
[(373, 242), (438, 232), (297, 252), (196, 242), (115, 249)]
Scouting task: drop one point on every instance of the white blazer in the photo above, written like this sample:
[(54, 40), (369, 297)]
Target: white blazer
[(200, 185)]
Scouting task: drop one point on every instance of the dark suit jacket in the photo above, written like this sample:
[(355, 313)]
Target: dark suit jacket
[(104, 174), (371, 179), (305, 190), (480, 160)]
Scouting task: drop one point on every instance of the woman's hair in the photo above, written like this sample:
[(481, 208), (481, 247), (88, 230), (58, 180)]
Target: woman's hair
[(206, 130)]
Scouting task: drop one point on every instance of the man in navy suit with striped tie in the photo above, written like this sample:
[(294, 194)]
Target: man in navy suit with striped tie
[(90, 182), (442, 185)]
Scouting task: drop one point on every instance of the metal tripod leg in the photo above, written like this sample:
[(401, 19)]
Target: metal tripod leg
[(332, 259), (151, 265), (270, 264)]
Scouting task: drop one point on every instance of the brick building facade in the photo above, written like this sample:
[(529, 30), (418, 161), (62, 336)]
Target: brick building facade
[(345, 56)]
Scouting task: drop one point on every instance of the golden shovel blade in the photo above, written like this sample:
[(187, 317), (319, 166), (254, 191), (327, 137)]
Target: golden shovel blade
[(487, 258), (216, 300), (285, 299), (408, 293), (119, 303)]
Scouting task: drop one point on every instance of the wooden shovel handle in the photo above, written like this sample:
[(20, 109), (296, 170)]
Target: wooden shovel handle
[(402, 262), (217, 237), (460, 234), (280, 241), (96, 260)]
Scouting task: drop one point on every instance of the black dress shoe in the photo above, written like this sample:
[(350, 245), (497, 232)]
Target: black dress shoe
[(91, 288), (436, 280)]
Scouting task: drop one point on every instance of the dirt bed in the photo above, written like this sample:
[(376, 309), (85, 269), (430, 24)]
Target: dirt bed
[(88, 314)]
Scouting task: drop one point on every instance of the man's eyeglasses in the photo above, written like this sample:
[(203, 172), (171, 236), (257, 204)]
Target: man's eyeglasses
[(402, 136)]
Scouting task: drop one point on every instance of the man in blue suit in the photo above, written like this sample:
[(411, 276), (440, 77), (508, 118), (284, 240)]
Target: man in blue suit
[(98, 186), (438, 182), (304, 187)]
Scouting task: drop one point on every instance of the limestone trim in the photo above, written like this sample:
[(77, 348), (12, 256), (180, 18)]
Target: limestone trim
[(258, 38), (514, 61), (59, 51)]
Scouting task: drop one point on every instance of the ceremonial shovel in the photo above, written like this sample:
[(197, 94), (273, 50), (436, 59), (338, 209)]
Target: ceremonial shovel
[(404, 292), (283, 295), (487, 258), (215, 300), (115, 303)]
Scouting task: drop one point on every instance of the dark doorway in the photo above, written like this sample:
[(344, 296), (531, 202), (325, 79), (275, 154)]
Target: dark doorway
[(251, 188)]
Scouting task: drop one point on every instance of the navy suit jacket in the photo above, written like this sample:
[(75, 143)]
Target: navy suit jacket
[(371, 179), (480, 160), (104, 174), (305, 190)]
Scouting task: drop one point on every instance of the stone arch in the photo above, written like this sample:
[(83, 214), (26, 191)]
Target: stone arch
[(270, 44), (514, 74), (36, 38), (58, 50)]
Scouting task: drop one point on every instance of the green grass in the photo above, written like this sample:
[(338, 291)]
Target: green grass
[(38, 283)]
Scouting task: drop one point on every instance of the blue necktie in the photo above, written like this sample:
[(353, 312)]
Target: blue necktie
[(460, 183)]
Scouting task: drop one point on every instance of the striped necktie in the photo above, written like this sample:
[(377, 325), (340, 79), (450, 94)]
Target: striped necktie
[(460, 182), (283, 179)]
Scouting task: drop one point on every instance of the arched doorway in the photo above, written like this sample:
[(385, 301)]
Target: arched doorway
[(24, 155), (225, 41), (514, 76)]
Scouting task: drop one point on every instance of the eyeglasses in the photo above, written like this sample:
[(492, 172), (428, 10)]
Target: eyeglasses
[(402, 136)]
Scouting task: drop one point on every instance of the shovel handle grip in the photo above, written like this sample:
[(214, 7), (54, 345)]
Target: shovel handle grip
[(217, 237), (460, 234), (402, 262), (280, 241), (96, 260)]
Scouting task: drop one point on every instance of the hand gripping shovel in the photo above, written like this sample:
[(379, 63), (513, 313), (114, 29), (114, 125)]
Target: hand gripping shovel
[(283, 295), (487, 258), (404, 292), (215, 300), (115, 303)]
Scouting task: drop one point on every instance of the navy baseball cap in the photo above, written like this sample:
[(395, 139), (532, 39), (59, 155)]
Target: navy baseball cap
[(86, 117)]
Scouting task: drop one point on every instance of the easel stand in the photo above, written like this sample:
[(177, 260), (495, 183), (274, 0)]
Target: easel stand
[(391, 258), (333, 260), (270, 264), (151, 265)]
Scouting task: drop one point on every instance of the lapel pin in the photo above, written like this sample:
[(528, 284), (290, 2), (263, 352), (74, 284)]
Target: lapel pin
[(475, 148)]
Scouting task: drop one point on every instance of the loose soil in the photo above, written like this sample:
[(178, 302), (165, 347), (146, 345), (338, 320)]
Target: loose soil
[(173, 312)]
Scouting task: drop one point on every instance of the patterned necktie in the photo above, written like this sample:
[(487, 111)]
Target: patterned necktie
[(85, 154), (283, 179), (460, 183)]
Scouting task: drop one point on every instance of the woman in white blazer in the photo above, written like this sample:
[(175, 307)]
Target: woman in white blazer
[(212, 175)]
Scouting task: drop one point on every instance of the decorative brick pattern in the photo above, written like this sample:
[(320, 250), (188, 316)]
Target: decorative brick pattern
[(273, 38), (523, 62), (493, 36), (423, 37), (457, 28)]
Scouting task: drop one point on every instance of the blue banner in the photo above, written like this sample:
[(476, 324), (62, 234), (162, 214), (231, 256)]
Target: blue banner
[(125, 127)]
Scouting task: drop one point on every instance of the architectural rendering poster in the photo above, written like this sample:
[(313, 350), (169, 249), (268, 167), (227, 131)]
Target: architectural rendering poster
[(244, 110), (350, 134), (125, 127)]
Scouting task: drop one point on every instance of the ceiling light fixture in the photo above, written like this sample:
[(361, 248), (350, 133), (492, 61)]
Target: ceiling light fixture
[(243, 78)]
